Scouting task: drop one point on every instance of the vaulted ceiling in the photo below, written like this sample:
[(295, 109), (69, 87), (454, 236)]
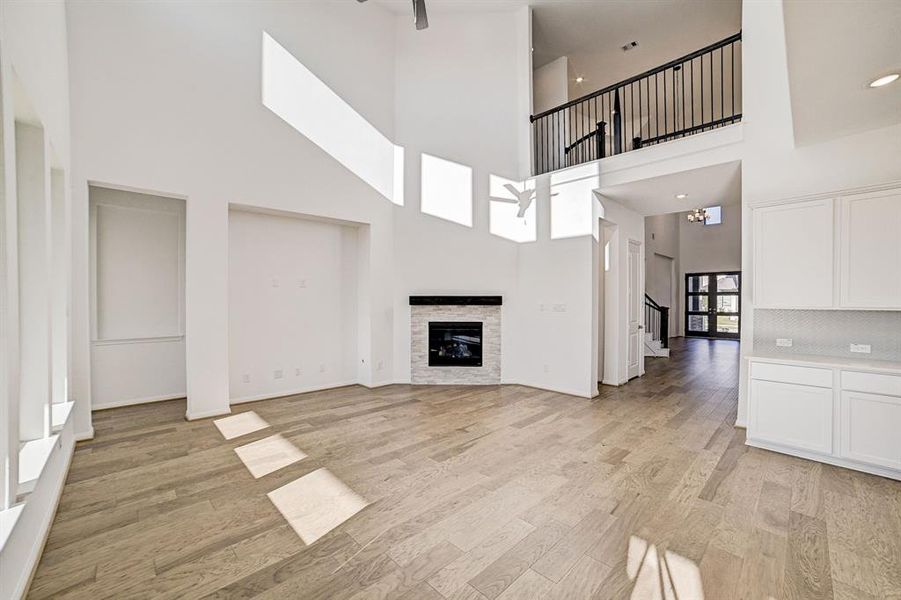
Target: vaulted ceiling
[(834, 50)]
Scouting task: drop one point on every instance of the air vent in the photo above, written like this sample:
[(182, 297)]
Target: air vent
[(630, 46)]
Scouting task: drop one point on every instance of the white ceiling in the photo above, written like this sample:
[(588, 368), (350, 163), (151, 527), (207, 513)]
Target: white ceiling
[(834, 50), (592, 32), (709, 186)]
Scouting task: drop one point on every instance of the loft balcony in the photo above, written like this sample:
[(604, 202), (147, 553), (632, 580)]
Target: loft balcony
[(698, 92)]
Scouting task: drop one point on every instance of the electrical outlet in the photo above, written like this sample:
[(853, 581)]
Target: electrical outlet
[(547, 369), (542, 307), (559, 308), (784, 342), (322, 368), (380, 366), (275, 282), (297, 372), (301, 283), (278, 374), (246, 378), (861, 348)]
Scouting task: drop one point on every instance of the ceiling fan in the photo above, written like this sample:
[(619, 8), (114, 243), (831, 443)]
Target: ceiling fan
[(419, 15)]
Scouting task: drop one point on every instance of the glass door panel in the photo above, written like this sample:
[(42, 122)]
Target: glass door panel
[(713, 304)]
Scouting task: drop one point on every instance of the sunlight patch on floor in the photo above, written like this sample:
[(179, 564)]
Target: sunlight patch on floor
[(661, 575), (268, 455), (316, 503), (240, 424)]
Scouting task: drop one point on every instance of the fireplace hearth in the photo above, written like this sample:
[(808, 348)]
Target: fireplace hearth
[(455, 344)]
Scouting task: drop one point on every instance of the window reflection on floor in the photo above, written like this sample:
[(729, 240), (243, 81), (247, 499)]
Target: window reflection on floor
[(661, 575), (268, 455), (316, 503), (240, 424)]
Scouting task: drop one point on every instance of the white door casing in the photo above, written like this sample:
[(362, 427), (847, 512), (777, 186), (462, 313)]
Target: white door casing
[(634, 308)]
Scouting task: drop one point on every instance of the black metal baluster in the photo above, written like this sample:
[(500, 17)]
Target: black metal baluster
[(692, 93), (722, 87), (702, 90), (682, 80), (712, 101), (665, 125), (547, 145), (732, 55)]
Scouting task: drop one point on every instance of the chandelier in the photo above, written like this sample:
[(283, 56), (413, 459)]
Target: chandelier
[(698, 215)]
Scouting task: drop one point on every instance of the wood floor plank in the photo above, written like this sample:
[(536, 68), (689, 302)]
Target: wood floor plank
[(476, 493), (807, 567), (501, 573)]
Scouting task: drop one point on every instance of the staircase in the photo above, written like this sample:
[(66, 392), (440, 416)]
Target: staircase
[(654, 347), (656, 337)]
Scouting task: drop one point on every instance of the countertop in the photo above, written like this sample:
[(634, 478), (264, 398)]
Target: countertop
[(829, 362)]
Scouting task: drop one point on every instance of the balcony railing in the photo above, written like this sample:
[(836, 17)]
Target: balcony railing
[(697, 92)]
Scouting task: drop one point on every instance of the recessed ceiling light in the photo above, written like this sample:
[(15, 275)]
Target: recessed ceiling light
[(580, 79), (681, 196), (884, 80)]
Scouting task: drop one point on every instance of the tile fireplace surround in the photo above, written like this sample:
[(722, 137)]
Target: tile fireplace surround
[(486, 309)]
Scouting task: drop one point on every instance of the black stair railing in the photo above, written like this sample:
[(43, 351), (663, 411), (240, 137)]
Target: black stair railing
[(697, 92), (656, 320)]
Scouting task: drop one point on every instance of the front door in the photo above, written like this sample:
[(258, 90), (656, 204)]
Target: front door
[(713, 304), (636, 297)]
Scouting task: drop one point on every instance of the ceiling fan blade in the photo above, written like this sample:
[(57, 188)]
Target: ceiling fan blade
[(361, 0), (512, 189), (419, 15), (504, 200)]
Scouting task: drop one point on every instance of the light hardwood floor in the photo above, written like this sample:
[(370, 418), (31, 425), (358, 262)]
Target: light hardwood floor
[(474, 493)]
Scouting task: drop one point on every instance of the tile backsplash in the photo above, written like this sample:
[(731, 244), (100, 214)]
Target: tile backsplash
[(829, 332)]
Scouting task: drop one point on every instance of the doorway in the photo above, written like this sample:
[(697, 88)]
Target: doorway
[(713, 304)]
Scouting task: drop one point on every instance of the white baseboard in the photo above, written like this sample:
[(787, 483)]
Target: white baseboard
[(294, 392), (85, 435), (206, 415), (831, 460), (558, 390), (381, 384), (135, 401)]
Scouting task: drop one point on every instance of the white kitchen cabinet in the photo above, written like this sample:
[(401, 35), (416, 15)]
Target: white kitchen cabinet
[(844, 412), (871, 428), (793, 255), (793, 415), (870, 250)]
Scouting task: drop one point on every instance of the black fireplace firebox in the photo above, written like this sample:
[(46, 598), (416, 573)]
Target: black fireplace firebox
[(455, 344)]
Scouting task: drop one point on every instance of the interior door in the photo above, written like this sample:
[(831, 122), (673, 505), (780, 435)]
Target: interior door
[(635, 300), (713, 304)]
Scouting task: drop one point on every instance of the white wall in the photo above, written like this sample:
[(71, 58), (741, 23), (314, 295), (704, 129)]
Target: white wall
[(705, 248), (550, 85), (292, 305), (32, 59), (625, 225), (463, 110), (773, 168), (662, 264), (138, 297), (166, 97)]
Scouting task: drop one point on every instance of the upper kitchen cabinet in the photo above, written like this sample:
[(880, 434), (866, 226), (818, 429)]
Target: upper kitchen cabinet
[(793, 255), (841, 252), (870, 250)]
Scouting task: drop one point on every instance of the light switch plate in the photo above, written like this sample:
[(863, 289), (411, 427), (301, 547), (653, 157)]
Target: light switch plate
[(784, 342), (861, 348)]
